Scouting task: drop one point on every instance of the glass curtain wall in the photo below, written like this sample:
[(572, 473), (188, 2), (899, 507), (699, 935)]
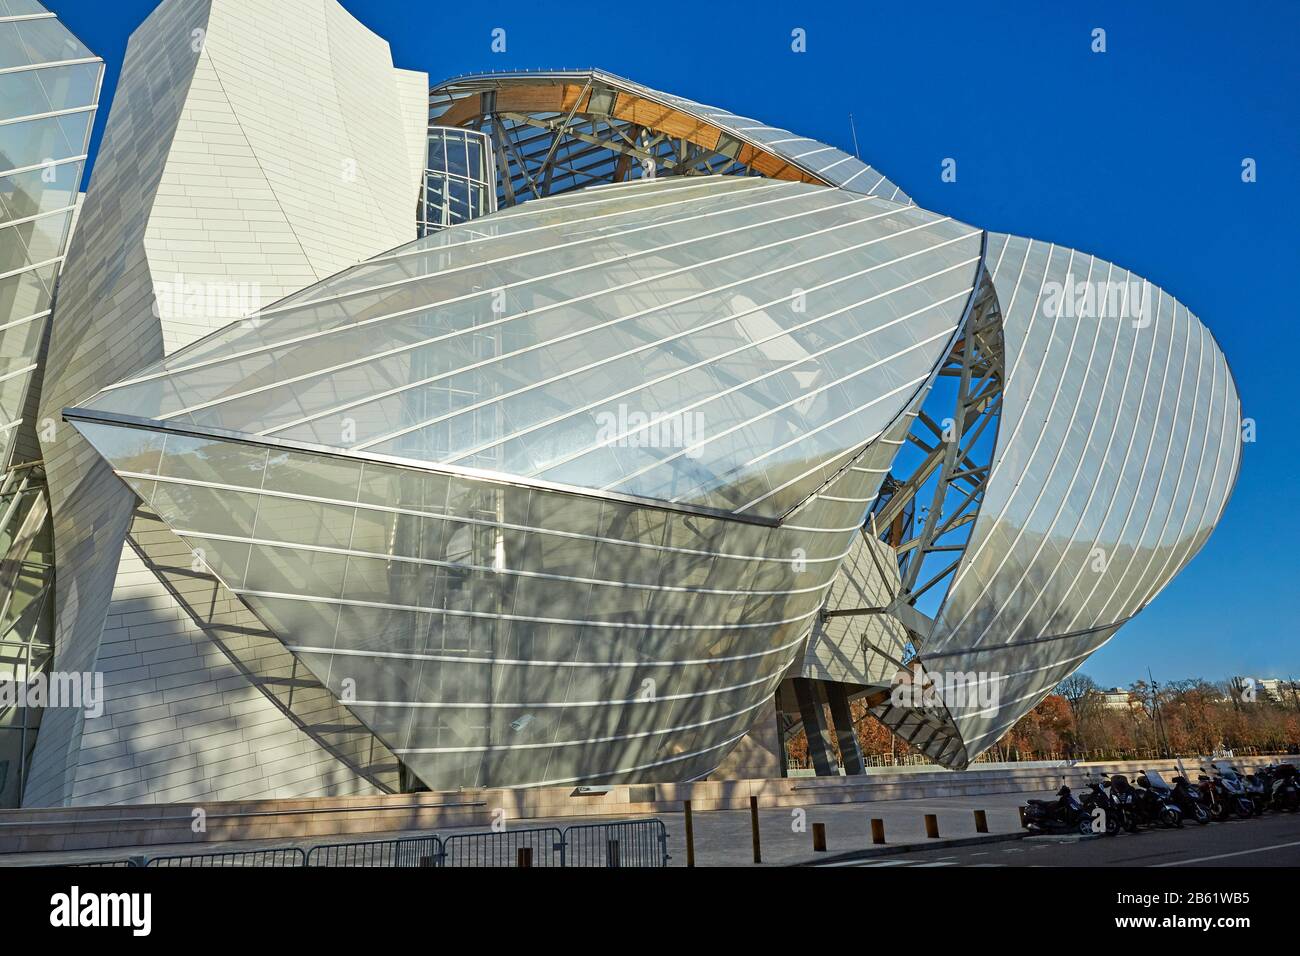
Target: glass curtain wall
[(460, 182)]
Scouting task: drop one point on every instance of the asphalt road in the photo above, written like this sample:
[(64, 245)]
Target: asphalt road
[(1268, 841)]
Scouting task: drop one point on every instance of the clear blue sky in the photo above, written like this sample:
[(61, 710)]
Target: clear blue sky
[(1133, 155)]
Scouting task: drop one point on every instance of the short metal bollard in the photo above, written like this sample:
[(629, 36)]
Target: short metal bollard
[(524, 858), (690, 833), (877, 831), (819, 838), (932, 826), (753, 825), (981, 822)]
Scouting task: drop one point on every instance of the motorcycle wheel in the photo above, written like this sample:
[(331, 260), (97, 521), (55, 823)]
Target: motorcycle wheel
[(1171, 818), (1084, 826), (1245, 809), (1202, 815), (1223, 813)]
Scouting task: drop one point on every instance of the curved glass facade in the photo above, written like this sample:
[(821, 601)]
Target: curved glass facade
[(49, 92), (724, 343), (416, 473), (1118, 449)]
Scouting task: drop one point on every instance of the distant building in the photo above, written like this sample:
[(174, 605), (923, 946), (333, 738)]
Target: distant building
[(1273, 688), (1117, 698)]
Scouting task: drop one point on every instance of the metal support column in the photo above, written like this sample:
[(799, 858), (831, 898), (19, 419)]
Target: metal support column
[(845, 736), (814, 725)]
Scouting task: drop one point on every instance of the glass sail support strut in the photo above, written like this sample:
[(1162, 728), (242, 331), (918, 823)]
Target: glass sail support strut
[(935, 490)]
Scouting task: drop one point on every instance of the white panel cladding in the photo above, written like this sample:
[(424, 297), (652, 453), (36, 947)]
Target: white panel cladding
[(194, 684), (413, 96), (219, 242), (105, 324), (253, 149)]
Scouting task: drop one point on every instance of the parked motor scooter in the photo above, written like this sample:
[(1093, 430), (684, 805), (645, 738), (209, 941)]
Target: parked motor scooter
[(1181, 795), (1153, 803), (1231, 792), (1286, 787), (1065, 814), (1097, 797)]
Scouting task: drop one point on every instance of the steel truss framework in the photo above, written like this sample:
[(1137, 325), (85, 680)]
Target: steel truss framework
[(26, 622), (957, 455), (602, 135), (955, 433), (952, 474)]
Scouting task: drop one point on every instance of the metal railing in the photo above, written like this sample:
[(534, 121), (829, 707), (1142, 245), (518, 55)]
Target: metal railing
[(411, 852), (628, 843), (617, 844), (281, 856), (544, 845)]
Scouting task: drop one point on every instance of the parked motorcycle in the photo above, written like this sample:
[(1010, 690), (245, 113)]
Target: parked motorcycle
[(1098, 797), (1182, 795), (1065, 814), (1154, 805), (1286, 787), (1124, 798), (1259, 787), (1231, 792)]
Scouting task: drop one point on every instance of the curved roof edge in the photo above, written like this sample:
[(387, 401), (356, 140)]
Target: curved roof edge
[(815, 161)]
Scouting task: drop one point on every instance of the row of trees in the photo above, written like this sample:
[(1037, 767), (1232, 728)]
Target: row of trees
[(1183, 718), (1186, 717)]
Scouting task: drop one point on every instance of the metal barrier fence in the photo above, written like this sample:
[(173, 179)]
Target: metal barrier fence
[(410, 852), (629, 843), (626, 843), (281, 856), (110, 864), (501, 848)]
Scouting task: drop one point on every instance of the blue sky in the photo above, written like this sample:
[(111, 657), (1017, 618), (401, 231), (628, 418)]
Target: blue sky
[(1133, 155)]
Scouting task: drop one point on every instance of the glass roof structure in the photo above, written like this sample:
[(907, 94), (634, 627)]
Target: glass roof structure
[(49, 93), (764, 332)]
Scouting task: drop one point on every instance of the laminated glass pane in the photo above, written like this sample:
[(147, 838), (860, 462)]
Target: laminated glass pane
[(48, 90), (38, 141), (23, 42), (39, 191), (26, 294), (19, 8), (37, 240)]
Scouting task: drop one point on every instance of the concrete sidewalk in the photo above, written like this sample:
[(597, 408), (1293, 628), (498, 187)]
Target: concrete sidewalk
[(722, 837)]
